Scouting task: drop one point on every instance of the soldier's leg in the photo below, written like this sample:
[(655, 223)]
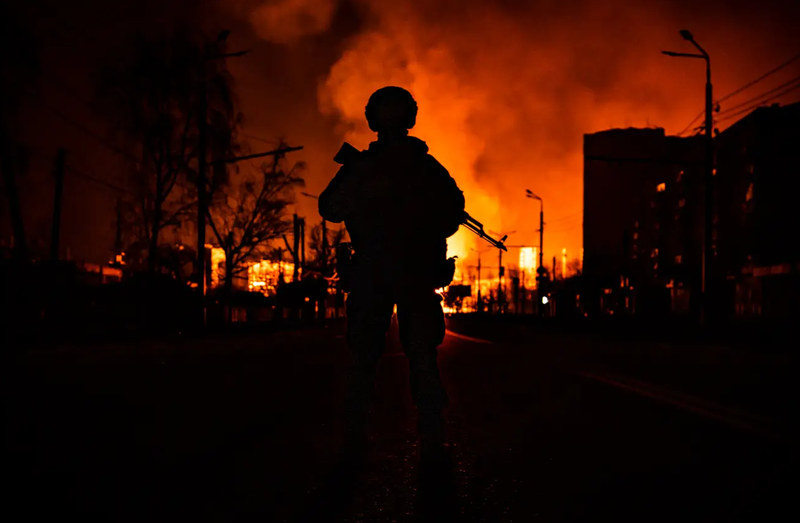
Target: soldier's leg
[(369, 313), (422, 330)]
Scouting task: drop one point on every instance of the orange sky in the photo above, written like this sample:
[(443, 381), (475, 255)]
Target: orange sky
[(507, 92), (506, 89)]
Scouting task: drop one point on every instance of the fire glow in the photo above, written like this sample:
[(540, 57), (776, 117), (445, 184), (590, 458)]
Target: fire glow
[(506, 90)]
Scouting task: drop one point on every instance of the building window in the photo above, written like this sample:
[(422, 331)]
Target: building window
[(636, 236), (749, 195), (681, 202), (678, 259), (661, 187), (680, 176)]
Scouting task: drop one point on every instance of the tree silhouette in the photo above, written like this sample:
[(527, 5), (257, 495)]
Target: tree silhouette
[(325, 257), (251, 211), (150, 89)]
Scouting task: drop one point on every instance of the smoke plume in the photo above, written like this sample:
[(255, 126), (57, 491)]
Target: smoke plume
[(507, 89), (285, 21)]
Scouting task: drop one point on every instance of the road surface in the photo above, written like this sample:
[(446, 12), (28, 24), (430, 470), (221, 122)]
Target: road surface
[(247, 429)]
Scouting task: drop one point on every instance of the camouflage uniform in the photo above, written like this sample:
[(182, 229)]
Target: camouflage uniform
[(399, 206)]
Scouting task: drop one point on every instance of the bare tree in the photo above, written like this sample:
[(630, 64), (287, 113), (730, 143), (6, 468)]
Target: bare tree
[(323, 255), (150, 90), (251, 212)]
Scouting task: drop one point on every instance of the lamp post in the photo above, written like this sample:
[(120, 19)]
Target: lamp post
[(708, 175), (530, 194)]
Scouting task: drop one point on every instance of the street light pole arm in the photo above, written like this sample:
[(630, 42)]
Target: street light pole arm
[(702, 51)]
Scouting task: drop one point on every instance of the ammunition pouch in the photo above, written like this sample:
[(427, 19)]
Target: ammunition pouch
[(445, 272)]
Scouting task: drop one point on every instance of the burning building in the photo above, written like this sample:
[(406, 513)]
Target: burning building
[(266, 276)]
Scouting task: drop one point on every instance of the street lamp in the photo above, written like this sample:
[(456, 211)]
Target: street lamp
[(530, 194), (708, 175)]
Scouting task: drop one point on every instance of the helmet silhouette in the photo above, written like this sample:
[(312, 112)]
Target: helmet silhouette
[(391, 109)]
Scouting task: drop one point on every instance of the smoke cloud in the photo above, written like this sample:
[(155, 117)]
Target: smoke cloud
[(285, 21), (507, 89)]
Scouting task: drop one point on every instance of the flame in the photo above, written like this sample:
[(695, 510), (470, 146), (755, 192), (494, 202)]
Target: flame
[(506, 90), (264, 276), (217, 265)]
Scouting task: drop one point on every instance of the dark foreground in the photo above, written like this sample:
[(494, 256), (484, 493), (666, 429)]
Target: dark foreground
[(544, 428)]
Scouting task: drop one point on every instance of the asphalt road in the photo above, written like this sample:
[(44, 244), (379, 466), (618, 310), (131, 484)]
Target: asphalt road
[(247, 429)]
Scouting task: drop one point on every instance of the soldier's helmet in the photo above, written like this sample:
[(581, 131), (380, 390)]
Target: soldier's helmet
[(390, 109)]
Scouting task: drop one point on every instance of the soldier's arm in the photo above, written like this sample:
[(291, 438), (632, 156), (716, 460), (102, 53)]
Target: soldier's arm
[(336, 201), (450, 198)]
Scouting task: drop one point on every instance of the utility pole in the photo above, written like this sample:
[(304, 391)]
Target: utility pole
[(303, 245), (480, 300), (554, 268), (530, 194), (708, 251), (58, 172), (324, 247), (296, 251), (202, 203), (500, 295), (541, 235), (202, 180), (708, 176), (118, 236), (501, 298)]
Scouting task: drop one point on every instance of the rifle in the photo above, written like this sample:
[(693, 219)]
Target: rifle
[(477, 227), (348, 153)]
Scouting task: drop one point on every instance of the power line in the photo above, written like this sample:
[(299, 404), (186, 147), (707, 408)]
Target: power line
[(96, 180), (692, 122), (90, 133), (566, 229), (760, 104), (740, 89), (567, 217), (256, 138), (82, 174), (753, 82), (742, 104)]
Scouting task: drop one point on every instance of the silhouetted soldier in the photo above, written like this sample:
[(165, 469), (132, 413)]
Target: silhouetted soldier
[(399, 206)]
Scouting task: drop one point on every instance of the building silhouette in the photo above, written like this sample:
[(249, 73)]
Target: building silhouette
[(643, 219)]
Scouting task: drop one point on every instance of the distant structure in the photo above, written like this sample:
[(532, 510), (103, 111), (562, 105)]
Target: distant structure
[(642, 224), (758, 186), (643, 219)]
